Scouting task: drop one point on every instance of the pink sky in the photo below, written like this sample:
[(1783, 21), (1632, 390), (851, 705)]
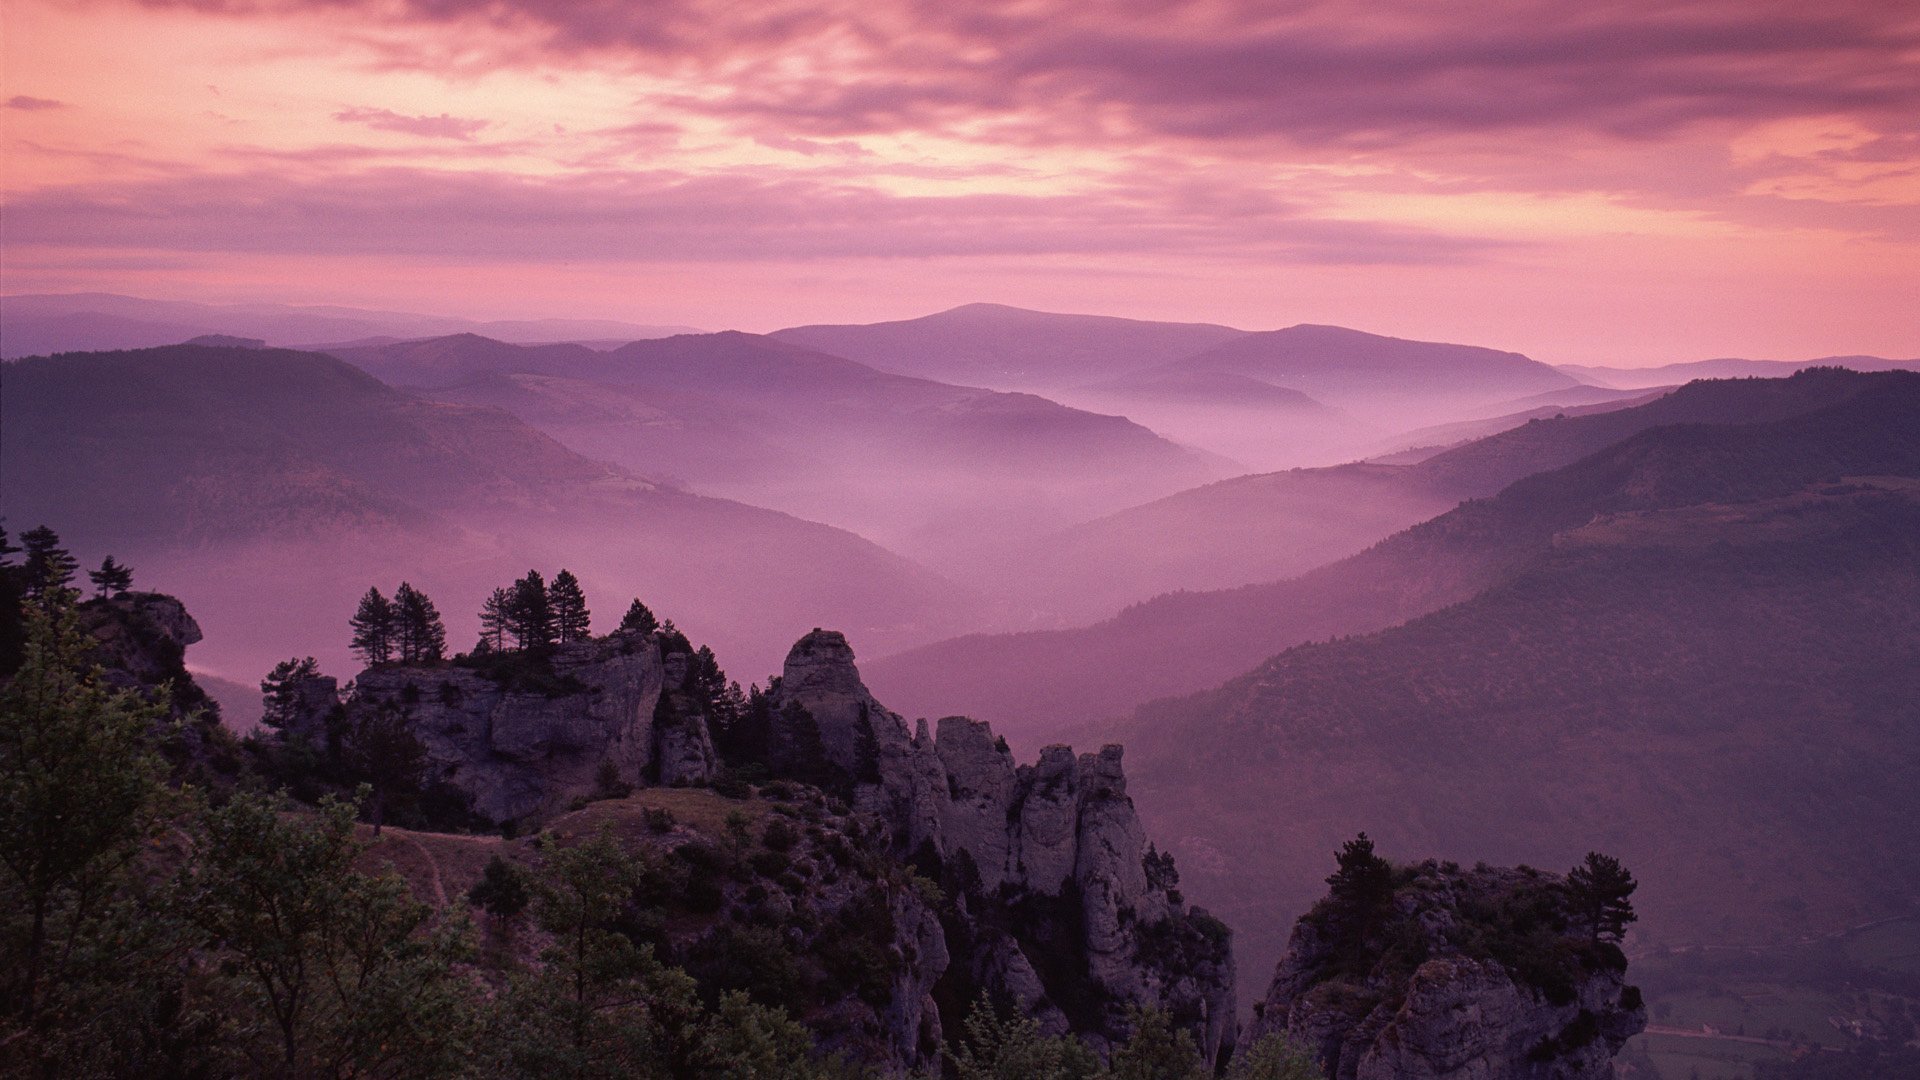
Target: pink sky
[(1627, 182)]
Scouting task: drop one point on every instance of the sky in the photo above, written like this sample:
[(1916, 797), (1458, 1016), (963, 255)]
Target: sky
[(1630, 182)]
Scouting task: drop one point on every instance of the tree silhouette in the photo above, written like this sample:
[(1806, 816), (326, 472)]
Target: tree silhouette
[(638, 619), (1599, 889), (569, 607), (280, 691), (419, 634), (531, 621), (111, 579), (496, 619), (373, 628), (49, 568)]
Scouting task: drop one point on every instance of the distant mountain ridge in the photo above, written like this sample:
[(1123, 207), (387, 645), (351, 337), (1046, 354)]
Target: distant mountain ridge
[(1012, 348), (1725, 368), (1335, 364), (39, 324), (1039, 683)]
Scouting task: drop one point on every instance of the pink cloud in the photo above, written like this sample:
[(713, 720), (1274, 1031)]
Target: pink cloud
[(34, 104), (435, 127), (671, 217), (1358, 72)]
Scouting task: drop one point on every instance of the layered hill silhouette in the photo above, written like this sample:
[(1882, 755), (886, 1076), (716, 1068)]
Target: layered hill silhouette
[(38, 324), (1036, 684), (1012, 348), (1351, 369), (274, 486), (1695, 649), (779, 424)]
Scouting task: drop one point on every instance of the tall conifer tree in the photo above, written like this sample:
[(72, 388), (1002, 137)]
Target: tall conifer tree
[(373, 628), (569, 606)]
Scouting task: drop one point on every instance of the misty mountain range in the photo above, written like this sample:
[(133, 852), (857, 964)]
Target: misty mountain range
[(1616, 607)]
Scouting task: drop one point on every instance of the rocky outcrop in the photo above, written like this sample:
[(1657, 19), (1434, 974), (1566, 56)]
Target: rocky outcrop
[(525, 736), (1056, 849), (1499, 987)]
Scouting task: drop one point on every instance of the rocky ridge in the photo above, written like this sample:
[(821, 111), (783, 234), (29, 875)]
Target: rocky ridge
[(1468, 975), (1044, 867)]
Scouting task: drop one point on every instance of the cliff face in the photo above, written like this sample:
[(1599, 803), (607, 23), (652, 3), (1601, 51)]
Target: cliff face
[(525, 742), (1052, 852), (1482, 981)]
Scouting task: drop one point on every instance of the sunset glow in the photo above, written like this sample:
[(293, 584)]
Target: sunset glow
[(1634, 183)]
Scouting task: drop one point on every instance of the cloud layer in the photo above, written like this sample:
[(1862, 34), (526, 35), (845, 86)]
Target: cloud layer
[(1752, 142)]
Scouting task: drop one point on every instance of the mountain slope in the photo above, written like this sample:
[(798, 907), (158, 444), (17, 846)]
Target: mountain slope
[(1011, 348), (1705, 662), (1340, 366), (275, 486), (1035, 684)]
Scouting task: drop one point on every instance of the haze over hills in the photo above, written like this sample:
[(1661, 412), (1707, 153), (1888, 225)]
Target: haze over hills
[(1259, 398), (1698, 649), (36, 325), (894, 457), (1726, 368), (1009, 348), (1033, 684), (272, 487)]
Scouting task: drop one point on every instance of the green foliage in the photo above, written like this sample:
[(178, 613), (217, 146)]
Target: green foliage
[(1273, 1056), (598, 1005), (334, 971), (1156, 1050), (503, 891), (994, 1046), (80, 789)]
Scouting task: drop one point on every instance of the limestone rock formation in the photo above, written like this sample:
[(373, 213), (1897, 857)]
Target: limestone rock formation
[(1501, 985), (1056, 849), (525, 737)]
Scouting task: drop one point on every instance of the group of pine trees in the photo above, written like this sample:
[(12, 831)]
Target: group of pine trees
[(49, 568), (535, 614), (530, 615), (406, 628)]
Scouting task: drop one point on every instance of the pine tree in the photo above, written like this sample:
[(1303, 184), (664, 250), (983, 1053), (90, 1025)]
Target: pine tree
[(638, 619), (1599, 889), (280, 691), (569, 607), (1364, 880), (373, 628), (532, 618), (496, 619), (111, 579), (49, 568), (419, 634)]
